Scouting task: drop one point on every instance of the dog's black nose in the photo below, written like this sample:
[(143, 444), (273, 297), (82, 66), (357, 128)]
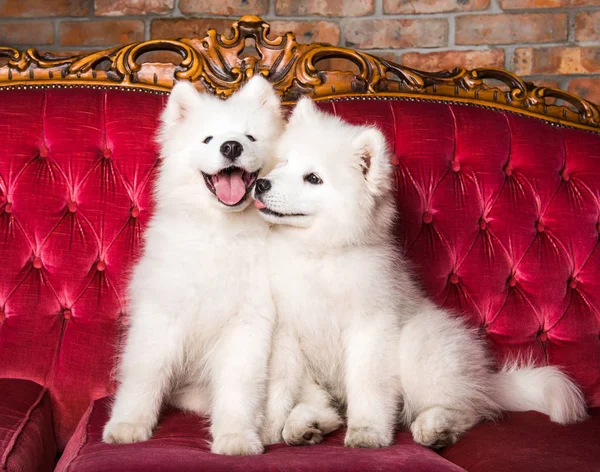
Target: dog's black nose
[(231, 149), (262, 185)]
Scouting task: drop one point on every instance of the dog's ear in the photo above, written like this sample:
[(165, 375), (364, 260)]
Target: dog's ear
[(373, 158), (258, 89), (304, 111), (184, 97)]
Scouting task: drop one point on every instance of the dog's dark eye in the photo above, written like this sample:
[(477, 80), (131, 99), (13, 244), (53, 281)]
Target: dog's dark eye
[(207, 139), (313, 179), (250, 137)]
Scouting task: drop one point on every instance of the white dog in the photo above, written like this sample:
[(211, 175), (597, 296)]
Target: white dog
[(352, 327), (201, 311)]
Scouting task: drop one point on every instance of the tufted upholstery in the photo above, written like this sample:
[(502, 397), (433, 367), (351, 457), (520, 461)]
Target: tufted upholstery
[(75, 168), (500, 216)]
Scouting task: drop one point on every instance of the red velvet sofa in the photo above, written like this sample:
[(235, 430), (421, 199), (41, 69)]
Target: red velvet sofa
[(499, 197)]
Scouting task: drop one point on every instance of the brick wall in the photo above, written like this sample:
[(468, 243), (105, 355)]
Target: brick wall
[(554, 42)]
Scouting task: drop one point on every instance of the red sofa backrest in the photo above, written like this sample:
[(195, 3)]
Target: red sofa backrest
[(499, 217)]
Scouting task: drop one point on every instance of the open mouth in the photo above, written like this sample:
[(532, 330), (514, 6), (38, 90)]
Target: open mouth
[(231, 185), (267, 211)]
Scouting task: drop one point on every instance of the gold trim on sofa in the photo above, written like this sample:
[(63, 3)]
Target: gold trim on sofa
[(221, 62)]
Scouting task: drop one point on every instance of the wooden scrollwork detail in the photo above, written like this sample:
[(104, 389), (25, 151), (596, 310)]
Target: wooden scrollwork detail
[(222, 62)]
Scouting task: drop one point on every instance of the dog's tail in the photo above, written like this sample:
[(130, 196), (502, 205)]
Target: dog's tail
[(544, 389)]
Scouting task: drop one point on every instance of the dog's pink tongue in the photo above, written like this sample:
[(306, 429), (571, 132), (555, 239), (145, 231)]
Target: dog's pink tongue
[(230, 188)]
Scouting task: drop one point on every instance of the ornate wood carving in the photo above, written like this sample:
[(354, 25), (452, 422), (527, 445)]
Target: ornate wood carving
[(220, 63)]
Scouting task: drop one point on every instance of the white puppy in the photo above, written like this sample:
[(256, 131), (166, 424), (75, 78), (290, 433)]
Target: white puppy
[(201, 311), (353, 328)]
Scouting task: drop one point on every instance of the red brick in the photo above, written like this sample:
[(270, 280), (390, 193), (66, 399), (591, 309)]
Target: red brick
[(26, 34), (445, 60), (542, 82), (384, 34), (100, 33), (432, 6), (531, 4), (225, 7), (342, 8), (64, 53), (556, 60), (587, 26), (154, 56), (132, 7), (188, 28), (33, 8), (512, 28), (344, 65), (586, 87), (308, 31), (388, 56)]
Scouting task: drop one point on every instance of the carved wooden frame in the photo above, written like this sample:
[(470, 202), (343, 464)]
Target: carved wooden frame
[(220, 63)]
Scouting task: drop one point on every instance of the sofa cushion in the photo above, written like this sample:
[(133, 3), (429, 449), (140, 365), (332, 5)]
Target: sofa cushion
[(180, 443), (26, 434), (529, 441)]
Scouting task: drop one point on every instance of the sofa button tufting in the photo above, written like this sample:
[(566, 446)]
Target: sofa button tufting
[(8, 208), (482, 224), (539, 226), (565, 175), (573, 283), (508, 171), (67, 314), (512, 281), (543, 337), (427, 217), (43, 152), (72, 207), (135, 211), (454, 279), (455, 166), (37, 263), (106, 153), (101, 266)]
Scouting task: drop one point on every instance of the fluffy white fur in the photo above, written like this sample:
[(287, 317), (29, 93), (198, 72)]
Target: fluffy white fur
[(201, 311), (353, 330)]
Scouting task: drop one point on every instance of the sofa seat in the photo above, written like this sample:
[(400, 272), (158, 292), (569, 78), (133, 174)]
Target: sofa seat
[(181, 443), (518, 442), (26, 434), (529, 442)]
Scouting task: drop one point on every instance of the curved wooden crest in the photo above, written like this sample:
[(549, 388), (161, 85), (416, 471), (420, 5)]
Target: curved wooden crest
[(220, 63)]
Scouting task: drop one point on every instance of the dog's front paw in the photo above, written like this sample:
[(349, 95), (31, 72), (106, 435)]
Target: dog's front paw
[(307, 425), (439, 427), (365, 436), (271, 433), (125, 433), (237, 444)]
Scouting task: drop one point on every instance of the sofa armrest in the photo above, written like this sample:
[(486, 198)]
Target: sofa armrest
[(26, 433)]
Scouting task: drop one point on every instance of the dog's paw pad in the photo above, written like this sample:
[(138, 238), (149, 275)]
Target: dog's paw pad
[(366, 437), (440, 427), (237, 444), (126, 433), (298, 434), (307, 424)]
